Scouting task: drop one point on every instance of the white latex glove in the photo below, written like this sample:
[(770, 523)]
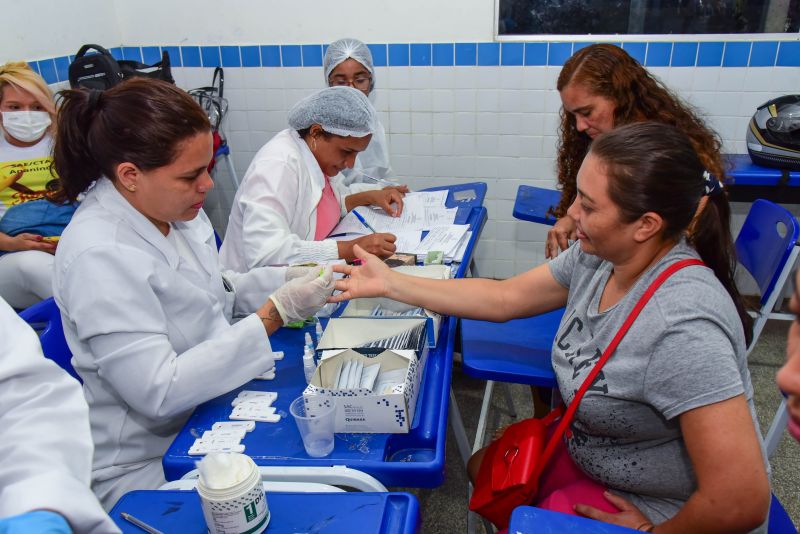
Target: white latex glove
[(299, 271), (302, 297)]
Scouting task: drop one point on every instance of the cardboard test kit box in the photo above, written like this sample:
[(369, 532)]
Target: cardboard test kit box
[(387, 407)]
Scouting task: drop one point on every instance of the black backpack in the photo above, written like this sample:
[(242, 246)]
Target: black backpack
[(99, 69)]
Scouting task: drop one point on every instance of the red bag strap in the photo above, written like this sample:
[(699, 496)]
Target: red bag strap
[(573, 406)]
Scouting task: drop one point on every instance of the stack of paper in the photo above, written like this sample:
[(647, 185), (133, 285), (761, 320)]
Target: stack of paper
[(421, 211), (451, 240)]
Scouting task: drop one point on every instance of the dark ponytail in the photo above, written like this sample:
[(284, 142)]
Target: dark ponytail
[(142, 121), (653, 167)]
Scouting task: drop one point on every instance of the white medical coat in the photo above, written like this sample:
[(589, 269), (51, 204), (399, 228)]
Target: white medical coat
[(273, 219), (45, 444), (150, 333)]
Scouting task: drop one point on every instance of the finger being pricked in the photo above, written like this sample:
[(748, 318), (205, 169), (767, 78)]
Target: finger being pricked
[(342, 268)]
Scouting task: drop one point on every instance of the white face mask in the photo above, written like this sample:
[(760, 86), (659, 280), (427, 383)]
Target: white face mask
[(26, 126)]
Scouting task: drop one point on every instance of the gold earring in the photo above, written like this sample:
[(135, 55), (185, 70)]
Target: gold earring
[(131, 188), (313, 143)]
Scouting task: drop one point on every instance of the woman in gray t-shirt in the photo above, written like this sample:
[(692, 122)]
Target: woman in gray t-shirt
[(669, 424)]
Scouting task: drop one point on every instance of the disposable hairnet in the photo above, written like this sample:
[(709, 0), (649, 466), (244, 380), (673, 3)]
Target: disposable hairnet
[(339, 110), (345, 49)]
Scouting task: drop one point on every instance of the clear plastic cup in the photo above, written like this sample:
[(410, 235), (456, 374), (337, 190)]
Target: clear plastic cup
[(315, 425)]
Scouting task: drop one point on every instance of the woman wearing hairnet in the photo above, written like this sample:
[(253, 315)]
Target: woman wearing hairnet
[(288, 202), (349, 62)]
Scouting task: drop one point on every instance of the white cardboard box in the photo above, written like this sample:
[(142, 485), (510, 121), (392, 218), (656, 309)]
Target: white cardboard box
[(361, 410)]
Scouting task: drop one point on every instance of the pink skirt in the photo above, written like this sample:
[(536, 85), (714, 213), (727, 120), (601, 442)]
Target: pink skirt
[(562, 485)]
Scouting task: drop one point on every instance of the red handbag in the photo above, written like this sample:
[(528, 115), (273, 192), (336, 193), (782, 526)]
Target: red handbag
[(510, 470)]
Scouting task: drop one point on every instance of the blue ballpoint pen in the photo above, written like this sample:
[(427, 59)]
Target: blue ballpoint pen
[(364, 222)]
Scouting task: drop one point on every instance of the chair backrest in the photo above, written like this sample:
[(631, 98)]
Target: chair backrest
[(765, 244), (54, 345)]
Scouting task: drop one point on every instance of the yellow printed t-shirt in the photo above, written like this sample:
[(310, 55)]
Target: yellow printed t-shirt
[(25, 172)]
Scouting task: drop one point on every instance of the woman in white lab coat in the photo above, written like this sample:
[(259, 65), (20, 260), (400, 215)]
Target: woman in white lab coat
[(145, 307), (45, 444), (289, 201), (349, 62)]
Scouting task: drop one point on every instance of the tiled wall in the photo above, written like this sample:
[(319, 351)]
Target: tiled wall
[(456, 112)]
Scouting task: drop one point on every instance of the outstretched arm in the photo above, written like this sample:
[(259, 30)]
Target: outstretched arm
[(530, 293)]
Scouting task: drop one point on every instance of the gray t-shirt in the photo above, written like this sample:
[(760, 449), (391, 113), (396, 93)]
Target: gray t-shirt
[(685, 350)]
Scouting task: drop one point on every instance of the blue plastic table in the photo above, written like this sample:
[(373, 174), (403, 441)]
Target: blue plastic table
[(321, 513), (415, 459), (749, 182), (527, 519), (516, 351), (532, 204)]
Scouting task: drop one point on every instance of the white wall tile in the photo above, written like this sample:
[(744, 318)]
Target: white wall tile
[(731, 78), (486, 77), (680, 78), (399, 100), (488, 123), (443, 78), (422, 100), (488, 100), (465, 123), (421, 123), (443, 123), (512, 77), (400, 121), (442, 100), (420, 77), (465, 100)]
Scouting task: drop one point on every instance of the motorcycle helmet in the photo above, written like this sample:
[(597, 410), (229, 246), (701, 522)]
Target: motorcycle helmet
[(773, 135)]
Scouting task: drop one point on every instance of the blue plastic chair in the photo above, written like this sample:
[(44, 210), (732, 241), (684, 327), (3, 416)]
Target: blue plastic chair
[(51, 336), (516, 351), (527, 519), (767, 247)]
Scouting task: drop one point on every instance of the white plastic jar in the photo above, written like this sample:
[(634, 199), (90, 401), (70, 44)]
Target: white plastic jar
[(232, 494)]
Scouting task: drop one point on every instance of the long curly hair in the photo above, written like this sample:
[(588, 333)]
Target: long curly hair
[(608, 71)]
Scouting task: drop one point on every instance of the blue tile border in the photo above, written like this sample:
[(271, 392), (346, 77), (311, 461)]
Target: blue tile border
[(271, 56), (778, 53), (291, 56), (512, 54), (443, 54), (737, 54), (559, 53), (399, 55), (637, 51), (764, 54), (658, 54), (62, 68), (210, 56), (251, 56), (684, 54), (488, 54), (710, 54), (190, 56), (789, 54), (420, 55), (466, 54), (379, 56), (535, 54), (312, 55), (174, 53)]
